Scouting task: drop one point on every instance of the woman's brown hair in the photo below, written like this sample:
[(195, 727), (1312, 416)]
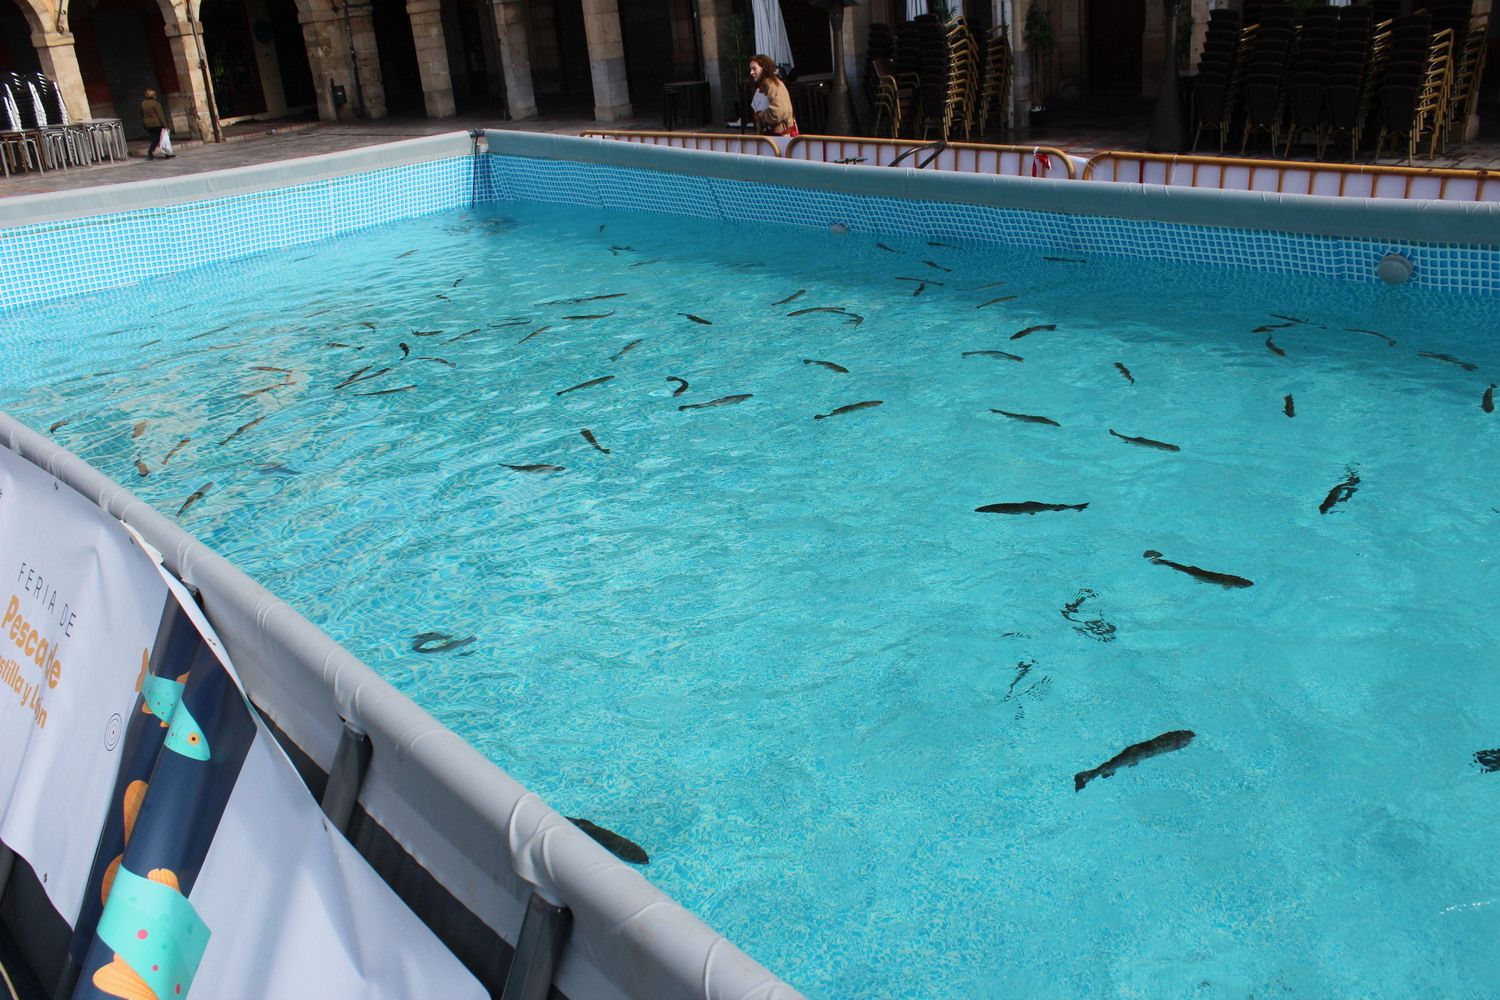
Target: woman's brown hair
[(768, 72)]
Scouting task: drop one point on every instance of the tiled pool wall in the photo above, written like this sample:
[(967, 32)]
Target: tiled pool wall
[(44, 261), (1456, 267), (51, 260)]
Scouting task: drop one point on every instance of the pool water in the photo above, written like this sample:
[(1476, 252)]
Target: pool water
[(841, 709)]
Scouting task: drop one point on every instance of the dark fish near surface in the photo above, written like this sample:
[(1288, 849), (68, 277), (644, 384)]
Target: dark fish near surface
[(1343, 491), (1487, 401), (138, 429), (920, 289), (1271, 346), (593, 315), (1290, 319), (175, 449), (882, 246), (620, 847), (1033, 329), (625, 350), (697, 319), (438, 642), (407, 254), (975, 288), (425, 333), (850, 408), (277, 469), (406, 348), (819, 309), (533, 468), (242, 429), (584, 385), (1126, 372), (457, 282), (142, 468), (792, 297), (461, 336), (1374, 333), (1206, 575), (922, 281), (1064, 260), (1448, 358), (440, 295), (1488, 760), (826, 364), (386, 392), (1029, 418), (1145, 442), (56, 425), (1288, 407), (533, 333), (441, 361), (360, 376), (1026, 507), (937, 266), (1134, 754), (721, 401), (993, 354), (992, 302), (945, 246), (682, 385), (588, 436), (269, 368), (197, 495)]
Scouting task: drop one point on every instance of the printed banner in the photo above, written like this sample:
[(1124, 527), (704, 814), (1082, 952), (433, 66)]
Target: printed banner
[(79, 607), (167, 825)]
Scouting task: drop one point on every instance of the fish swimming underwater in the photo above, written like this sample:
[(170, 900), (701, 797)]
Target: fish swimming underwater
[(1145, 442), (1287, 406), (1341, 492), (534, 468), (584, 385), (197, 495), (620, 847), (850, 408), (1487, 401), (1126, 372), (826, 364), (682, 385), (1134, 754), (1488, 760), (588, 436), (1271, 346), (242, 429), (1033, 329), (625, 350), (721, 401), (1226, 580), (1027, 507), (792, 297), (438, 642), (992, 302), (697, 319), (993, 354), (1027, 417), (1450, 359)]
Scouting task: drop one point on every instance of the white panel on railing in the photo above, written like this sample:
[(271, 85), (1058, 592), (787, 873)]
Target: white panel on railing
[(1426, 187)]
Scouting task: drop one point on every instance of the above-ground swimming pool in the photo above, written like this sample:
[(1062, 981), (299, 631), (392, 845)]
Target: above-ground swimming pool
[(774, 642)]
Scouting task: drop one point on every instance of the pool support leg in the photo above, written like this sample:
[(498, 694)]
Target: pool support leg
[(346, 776), (544, 931)]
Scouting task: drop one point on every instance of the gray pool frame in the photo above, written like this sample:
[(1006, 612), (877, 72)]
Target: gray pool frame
[(483, 861)]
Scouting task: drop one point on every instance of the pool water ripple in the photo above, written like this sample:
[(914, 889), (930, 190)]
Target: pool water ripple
[(840, 709)]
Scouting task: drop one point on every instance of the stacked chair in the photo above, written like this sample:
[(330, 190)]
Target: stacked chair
[(1216, 75), (36, 133), (1469, 31), (999, 68), (1402, 49), (1312, 56), (1266, 60), (1350, 84)]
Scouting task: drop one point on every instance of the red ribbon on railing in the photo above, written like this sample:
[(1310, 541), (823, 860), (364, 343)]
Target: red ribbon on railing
[(1042, 160)]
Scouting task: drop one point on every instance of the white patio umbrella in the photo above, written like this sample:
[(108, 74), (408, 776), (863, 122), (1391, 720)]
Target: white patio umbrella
[(770, 31)]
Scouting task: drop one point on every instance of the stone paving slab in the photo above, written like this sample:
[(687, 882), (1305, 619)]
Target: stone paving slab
[(264, 142)]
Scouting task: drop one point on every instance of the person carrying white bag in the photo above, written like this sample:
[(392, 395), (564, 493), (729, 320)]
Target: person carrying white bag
[(158, 126)]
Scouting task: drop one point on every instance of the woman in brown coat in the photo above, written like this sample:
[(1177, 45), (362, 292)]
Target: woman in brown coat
[(773, 102)]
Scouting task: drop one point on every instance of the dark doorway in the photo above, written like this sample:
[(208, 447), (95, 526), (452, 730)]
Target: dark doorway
[(231, 58), (398, 58), (1115, 28), (808, 33), (560, 73), (473, 55), (122, 49), (291, 53), (660, 46), (16, 51)]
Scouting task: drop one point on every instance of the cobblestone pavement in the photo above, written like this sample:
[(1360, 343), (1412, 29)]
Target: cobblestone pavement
[(261, 142)]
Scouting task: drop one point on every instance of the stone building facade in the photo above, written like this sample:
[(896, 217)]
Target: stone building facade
[(223, 60)]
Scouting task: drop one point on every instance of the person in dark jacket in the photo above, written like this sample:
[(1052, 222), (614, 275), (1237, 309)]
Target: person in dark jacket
[(154, 118)]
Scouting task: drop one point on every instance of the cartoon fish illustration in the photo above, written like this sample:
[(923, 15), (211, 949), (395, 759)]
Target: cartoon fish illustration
[(161, 696), (185, 737)]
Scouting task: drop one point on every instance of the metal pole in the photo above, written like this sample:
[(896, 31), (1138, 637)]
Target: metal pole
[(208, 83), (839, 119), (544, 931), (346, 776)]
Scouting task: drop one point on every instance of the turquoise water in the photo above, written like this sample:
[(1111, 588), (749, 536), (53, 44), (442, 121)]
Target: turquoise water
[(840, 709)]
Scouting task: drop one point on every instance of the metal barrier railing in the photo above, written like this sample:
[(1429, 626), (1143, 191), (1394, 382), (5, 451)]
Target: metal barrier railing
[(960, 157), (1335, 180), (712, 142)]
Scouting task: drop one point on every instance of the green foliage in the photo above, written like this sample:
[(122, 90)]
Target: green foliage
[(735, 42), (1038, 33)]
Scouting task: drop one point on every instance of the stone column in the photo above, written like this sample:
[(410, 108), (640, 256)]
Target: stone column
[(60, 62), (432, 57), (601, 23), (267, 62), (711, 14), (191, 107), (326, 35), (515, 58)]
